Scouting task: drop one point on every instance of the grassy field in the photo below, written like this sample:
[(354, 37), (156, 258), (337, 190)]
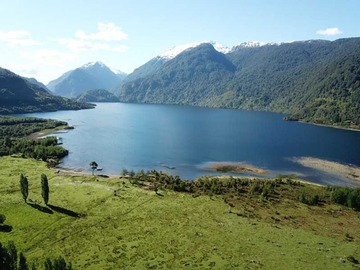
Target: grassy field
[(138, 229)]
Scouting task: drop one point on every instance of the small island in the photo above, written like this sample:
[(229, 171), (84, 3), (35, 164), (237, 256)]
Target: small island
[(234, 167)]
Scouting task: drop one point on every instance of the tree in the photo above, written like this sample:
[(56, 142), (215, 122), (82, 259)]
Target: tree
[(22, 262), (93, 166), (2, 219), (45, 188), (24, 186), (124, 172), (12, 254)]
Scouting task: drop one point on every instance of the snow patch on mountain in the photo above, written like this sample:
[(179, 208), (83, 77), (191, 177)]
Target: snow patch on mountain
[(174, 51)]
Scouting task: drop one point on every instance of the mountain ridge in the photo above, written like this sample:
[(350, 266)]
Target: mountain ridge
[(304, 79), (18, 95), (93, 75)]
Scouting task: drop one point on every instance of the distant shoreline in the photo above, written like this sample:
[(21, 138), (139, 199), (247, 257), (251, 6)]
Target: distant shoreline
[(329, 126)]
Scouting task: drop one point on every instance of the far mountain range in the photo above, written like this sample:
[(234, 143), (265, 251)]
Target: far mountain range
[(93, 75), (316, 81)]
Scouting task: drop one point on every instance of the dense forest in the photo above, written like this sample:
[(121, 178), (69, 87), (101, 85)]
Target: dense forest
[(18, 95), (316, 81), (97, 95), (13, 132)]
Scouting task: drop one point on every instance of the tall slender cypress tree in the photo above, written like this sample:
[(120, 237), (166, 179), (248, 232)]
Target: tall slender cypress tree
[(45, 188), (24, 187)]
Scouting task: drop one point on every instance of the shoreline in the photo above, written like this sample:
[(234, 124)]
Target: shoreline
[(40, 134), (329, 126), (349, 172)]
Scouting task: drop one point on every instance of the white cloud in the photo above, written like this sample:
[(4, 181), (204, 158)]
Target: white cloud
[(329, 31), (17, 38), (48, 57), (107, 38), (106, 32)]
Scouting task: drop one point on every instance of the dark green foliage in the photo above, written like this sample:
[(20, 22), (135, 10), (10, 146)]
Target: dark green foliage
[(18, 127), (12, 251), (316, 81), (57, 264), (43, 149), (20, 96), (2, 219), (24, 187), (349, 197), (97, 95), (12, 141), (22, 262), (310, 199), (93, 166), (9, 260), (45, 188)]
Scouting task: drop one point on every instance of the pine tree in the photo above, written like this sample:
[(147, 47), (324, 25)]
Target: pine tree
[(45, 188), (24, 186), (12, 254), (22, 262)]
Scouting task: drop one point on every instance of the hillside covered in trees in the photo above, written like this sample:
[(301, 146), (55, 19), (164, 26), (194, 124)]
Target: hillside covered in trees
[(18, 95), (97, 95), (316, 81)]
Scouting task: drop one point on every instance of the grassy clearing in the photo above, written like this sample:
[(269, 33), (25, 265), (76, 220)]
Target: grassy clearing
[(139, 229)]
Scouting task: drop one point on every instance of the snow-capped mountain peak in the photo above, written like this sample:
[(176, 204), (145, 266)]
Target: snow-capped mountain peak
[(116, 71), (251, 44), (220, 48), (174, 51), (93, 63)]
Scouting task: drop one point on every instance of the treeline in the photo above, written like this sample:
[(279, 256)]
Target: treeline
[(10, 259), (13, 131), (18, 127), (349, 197), (263, 189), (45, 149)]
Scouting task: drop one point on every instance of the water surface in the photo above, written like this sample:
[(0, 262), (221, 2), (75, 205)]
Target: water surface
[(183, 138)]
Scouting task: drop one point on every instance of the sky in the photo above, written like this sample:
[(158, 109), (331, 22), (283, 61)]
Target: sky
[(45, 38)]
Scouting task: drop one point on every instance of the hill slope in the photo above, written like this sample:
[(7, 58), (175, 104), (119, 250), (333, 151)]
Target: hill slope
[(94, 75), (97, 95), (101, 223), (20, 96), (316, 81)]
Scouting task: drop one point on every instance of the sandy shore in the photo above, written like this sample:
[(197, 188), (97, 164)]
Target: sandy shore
[(349, 171), (234, 167)]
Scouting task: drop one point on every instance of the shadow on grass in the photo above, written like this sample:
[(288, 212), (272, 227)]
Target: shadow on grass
[(5, 228), (41, 208), (65, 211)]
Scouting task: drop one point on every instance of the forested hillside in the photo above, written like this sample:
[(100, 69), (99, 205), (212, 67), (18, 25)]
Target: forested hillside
[(97, 95), (316, 81), (20, 96)]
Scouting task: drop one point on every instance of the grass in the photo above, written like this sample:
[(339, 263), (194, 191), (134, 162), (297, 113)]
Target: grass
[(139, 229)]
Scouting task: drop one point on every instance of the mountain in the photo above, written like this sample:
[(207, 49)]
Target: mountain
[(34, 81), (316, 81), (18, 95), (94, 75), (97, 95)]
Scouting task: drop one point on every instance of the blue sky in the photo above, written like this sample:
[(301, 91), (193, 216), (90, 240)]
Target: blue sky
[(45, 38)]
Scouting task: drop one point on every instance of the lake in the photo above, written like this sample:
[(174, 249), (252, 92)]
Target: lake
[(183, 139)]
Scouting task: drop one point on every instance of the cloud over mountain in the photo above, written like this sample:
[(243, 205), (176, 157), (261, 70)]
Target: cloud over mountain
[(329, 31)]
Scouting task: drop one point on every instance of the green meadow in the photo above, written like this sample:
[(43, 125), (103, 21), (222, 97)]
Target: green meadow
[(108, 223)]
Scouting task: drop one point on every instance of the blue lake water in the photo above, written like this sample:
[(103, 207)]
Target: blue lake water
[(142, 136)]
